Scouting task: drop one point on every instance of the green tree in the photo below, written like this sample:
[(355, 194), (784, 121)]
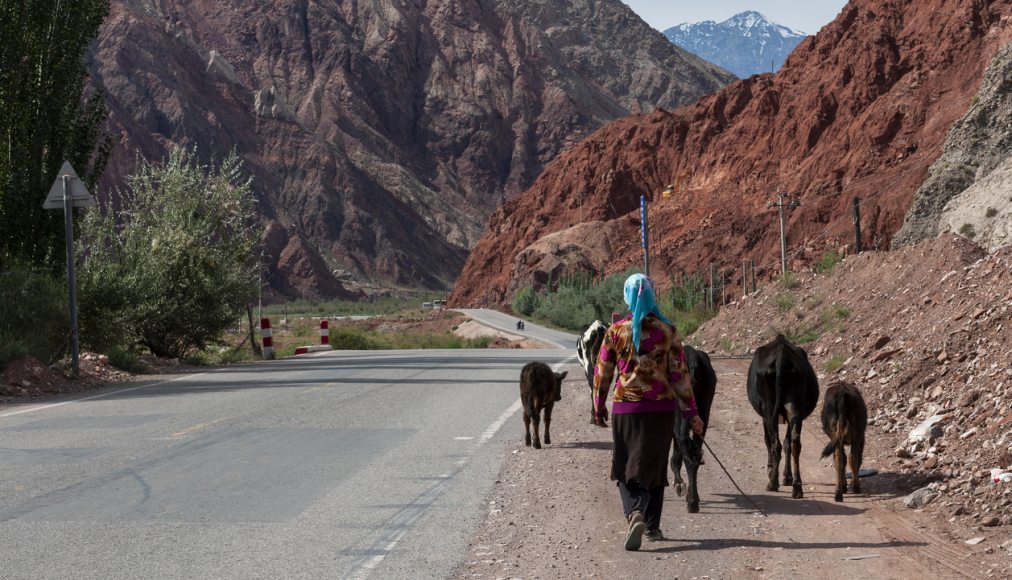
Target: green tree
[(33, 315), (45, 118), (178, 263)]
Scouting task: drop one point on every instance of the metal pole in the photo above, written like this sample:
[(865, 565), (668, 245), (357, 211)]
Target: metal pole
[(645, 234), (752, 268), (68, 227), (710, 302), (723, 288), (857, 224), (783, 237)]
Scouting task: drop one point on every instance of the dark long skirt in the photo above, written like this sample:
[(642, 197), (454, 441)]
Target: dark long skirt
[(642, 445)]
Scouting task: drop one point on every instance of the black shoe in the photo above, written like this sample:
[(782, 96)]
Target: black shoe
[(653, 535)]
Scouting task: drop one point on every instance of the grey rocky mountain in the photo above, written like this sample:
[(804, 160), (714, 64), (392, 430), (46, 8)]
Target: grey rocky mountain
[(967, 190)]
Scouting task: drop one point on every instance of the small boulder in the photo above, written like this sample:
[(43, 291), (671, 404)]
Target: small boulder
[(920, 498), (932, 427)]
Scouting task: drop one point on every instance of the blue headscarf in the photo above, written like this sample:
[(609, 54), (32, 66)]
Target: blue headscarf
[(641, 300)]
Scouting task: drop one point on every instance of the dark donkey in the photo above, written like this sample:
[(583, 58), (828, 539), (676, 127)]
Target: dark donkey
[(844, 420), (540, 387), (782, 386), (688, 447)]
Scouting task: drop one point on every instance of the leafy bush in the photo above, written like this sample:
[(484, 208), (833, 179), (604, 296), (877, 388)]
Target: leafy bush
[(33, 315), (575, 303), (967, 230), (435, 340), (525, 302), (566, 308), (353, 339), (175, 267), (688, 322), (126, 360), (991, 212)]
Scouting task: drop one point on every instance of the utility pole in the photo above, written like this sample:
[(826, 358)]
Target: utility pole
[(784, 201), (645, 235), (857, 224)]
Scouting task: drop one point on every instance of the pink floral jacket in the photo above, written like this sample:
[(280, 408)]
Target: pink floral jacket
[(655, 379)]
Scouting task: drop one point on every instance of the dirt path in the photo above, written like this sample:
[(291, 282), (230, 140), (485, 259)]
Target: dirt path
[(555, 514)]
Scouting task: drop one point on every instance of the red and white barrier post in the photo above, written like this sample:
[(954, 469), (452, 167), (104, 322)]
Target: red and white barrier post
[(265, 333), (324, 331)]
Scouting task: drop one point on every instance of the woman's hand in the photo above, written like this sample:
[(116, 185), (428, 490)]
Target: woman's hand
[(697, 425), (601, 417)]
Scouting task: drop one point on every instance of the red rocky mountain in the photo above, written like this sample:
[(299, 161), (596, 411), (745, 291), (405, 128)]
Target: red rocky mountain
[(380, 135), (859, 110)]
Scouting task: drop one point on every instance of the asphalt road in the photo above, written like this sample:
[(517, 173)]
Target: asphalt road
[(508, 323), (336, 465)]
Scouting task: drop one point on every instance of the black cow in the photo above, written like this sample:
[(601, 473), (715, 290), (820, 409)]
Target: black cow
[(539, 389), (782, 386), (688, 446), (844, 420), (587, 348)]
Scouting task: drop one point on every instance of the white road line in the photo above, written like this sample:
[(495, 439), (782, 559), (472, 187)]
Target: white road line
[(408, 515), (54, 405)]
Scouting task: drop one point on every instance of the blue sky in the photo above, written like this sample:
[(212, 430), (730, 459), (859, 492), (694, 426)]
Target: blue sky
[(802, 15)]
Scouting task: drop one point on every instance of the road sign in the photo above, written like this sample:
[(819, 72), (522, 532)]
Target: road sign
[(68, 192), (78, 192)]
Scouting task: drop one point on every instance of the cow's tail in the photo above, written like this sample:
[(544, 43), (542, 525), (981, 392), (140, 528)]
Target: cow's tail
[(779, 388), (840, 426)]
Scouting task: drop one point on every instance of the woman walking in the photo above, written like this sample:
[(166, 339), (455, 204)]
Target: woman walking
[(653, 384)]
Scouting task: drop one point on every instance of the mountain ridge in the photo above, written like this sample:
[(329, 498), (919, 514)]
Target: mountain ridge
[(856, 112), (380, 135), (747, 43)]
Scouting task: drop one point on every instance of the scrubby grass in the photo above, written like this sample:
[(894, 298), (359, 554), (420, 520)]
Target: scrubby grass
[(784, 302), (333, 308), (803, 336), (834, 363), (828, 261), (357, 339), (688, 322), (789, 281)]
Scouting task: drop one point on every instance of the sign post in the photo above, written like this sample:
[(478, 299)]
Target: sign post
[(645, 235), (68, 192)]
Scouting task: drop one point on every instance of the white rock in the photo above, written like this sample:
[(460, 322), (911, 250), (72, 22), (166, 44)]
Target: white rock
[(926, 429), (974, 541)]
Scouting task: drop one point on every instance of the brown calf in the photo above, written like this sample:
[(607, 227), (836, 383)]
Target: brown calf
[(844, 419), (540, 387)]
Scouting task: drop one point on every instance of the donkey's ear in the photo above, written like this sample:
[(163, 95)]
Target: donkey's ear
[(561, 376)]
